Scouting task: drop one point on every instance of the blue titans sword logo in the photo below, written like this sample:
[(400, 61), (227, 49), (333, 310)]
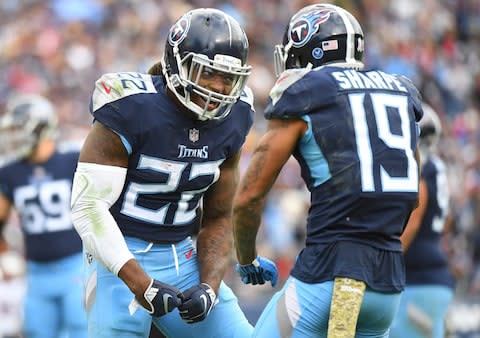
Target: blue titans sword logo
[(302, 29), (179, 30)]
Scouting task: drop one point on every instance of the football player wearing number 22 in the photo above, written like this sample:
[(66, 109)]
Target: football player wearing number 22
[(354, 133), (160, 161)]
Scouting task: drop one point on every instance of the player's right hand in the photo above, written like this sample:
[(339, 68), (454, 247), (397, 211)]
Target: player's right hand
[(12, 265), (258, 272), (162, 298)]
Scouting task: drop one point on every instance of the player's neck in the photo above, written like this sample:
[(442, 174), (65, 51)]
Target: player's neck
[(42, 152)]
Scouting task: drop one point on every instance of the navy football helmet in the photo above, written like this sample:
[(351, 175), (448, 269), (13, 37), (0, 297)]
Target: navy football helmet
[(318, 35), (430, 130), (206, 39), (28, 119)]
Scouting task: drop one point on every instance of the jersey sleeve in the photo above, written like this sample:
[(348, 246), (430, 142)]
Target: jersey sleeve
[(244, 114), (5, 188), (247, 97), (116, 103), (299, 91), (428, 171)]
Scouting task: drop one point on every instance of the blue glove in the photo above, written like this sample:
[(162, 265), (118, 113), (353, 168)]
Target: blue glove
[(258, 272), (198, 301), (162, 298)]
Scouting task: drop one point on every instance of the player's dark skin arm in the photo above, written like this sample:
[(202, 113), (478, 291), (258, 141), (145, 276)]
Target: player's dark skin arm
[(103, 146), (415, 220), (5, 207), (215, 239), (273, 150)]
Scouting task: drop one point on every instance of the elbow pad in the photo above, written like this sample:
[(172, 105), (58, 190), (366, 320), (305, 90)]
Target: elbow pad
[(95, 189)]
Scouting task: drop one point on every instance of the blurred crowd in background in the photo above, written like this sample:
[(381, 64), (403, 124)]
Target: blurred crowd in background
[(58, 48)]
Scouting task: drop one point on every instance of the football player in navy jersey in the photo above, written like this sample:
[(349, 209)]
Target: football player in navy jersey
[(37, 183), (430, 282), (354, 133), (160, 161)]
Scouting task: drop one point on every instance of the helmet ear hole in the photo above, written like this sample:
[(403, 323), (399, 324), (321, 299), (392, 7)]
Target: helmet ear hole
[(298, 62), (39, 129)]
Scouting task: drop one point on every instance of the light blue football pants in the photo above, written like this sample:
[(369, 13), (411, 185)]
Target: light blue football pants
[(422, 312), (301, 310), (54, 300), (108, 298)]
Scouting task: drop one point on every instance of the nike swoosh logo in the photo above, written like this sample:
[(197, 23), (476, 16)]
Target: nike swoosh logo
[(107, 89), (166, 297), (204, 300)]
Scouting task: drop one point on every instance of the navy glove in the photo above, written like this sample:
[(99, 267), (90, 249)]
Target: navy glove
[(162, 298), (198, 301), (258, 272)]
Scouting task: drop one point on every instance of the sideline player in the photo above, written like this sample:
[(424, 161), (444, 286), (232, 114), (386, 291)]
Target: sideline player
[(430, 282), (161, 161), (354, 134), (37, 184)]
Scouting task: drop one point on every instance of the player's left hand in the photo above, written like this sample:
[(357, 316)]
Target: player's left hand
[(197, 303), (258, 272)]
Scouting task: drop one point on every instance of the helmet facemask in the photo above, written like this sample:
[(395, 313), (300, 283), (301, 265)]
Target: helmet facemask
[(187, 83), (28, 120), (280, 55)]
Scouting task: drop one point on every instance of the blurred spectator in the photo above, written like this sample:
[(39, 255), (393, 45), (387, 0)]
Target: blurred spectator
[(58, 48)]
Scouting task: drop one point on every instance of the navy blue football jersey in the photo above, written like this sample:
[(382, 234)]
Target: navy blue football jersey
[(357, 156), (40, 193), (173, 159), (426, 261)]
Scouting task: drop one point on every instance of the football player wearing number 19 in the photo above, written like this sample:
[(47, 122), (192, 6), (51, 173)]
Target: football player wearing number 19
[(354, 133), (37, 183), (161, 160)]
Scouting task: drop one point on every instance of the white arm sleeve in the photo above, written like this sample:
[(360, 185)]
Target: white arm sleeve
[(95, 189)]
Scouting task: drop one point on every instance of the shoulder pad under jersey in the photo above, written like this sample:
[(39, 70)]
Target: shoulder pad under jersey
[(114, 86), (300, 91), (247, 96), (415, 94), (284, 81)]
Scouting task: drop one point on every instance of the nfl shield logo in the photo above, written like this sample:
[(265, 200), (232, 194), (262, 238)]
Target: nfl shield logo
[(193, 135)]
